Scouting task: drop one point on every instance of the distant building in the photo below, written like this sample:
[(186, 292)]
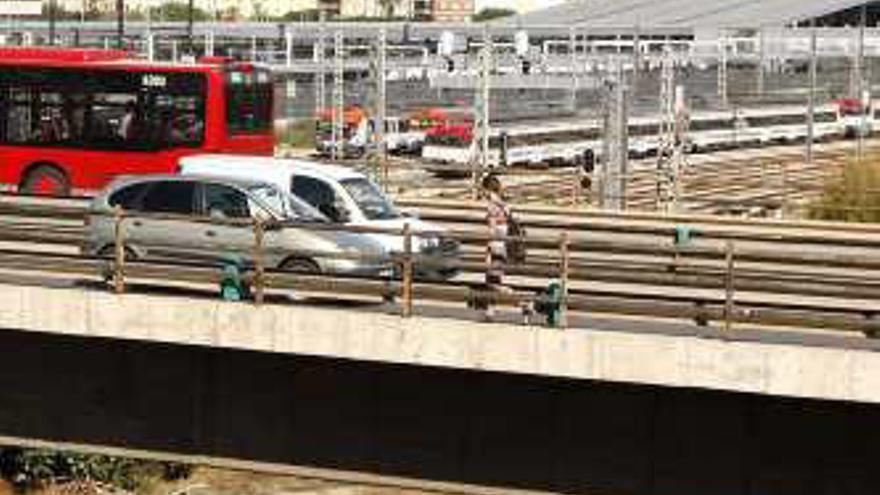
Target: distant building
[(223, 8), (438, 10), (376, 8), (409, 9), (452, 10)]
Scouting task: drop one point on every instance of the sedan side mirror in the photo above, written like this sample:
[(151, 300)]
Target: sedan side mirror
[(337, 212), (341, 213)]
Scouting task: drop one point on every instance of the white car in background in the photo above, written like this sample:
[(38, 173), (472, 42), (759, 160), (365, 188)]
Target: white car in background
[(345, 196)]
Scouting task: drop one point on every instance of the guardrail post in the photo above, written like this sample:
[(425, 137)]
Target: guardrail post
[(407, 272), (119, 251), (259, 266), (564, 258), (728, 286)]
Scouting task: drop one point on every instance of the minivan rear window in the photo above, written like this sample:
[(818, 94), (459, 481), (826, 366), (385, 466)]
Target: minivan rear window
[(127, 197)]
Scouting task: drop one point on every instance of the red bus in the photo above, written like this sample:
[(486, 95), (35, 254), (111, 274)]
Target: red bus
[(72, 119)]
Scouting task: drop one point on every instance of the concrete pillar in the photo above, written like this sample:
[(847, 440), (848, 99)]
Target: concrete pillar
[(288, 48), (209, 44), (151, 47)]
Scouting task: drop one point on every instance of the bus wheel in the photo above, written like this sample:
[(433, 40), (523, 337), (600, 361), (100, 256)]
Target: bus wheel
[(46, 180)]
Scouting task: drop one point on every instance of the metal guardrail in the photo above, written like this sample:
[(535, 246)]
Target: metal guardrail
[(732, 281)]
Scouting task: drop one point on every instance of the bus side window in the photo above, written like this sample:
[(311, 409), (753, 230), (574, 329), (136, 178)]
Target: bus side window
[(31, 117)]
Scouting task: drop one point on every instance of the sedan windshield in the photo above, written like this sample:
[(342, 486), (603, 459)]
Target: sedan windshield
[(300, 210), (370, 199)]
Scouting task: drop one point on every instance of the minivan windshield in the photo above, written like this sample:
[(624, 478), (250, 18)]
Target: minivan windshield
[(370, 200), (285, 205)]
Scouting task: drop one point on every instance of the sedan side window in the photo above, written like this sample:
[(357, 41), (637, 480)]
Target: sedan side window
[(225, 202), (176, 197)]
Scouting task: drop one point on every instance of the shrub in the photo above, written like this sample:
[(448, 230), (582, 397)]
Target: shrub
[(853, 196), (299, 134), (33, 468)]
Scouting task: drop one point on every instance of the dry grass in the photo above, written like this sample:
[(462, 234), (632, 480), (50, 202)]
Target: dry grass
[(211, 481), (854, 196)]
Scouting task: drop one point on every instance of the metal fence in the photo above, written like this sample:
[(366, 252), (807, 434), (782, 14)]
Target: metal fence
[(709, 270)]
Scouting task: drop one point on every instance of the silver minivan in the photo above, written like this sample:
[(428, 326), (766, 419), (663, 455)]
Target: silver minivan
[(176, 224)]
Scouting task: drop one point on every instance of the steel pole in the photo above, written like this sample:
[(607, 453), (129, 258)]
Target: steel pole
[(189, 25), (722, 69), (52, 10), (811, 96), (860, 85), (382, 103), (120, 24), (339, 140), (572, 61), (761, 62)]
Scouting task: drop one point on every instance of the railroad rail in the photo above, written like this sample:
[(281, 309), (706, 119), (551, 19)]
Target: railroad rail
[(709, 270), (761, 181)]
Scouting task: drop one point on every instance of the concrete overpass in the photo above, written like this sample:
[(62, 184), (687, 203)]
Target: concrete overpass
[(365, 396)]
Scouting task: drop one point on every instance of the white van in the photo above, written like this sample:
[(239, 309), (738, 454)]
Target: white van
[(344, 196)]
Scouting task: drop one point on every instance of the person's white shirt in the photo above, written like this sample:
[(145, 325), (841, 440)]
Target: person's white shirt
[(125, 125)]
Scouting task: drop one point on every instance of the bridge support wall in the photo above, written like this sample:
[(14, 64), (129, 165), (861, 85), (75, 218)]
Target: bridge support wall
[(401, 423)]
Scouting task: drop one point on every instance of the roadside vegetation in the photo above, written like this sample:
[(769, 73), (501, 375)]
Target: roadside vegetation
[(854, 196), (43, 471), (300, 135), (492, 13)]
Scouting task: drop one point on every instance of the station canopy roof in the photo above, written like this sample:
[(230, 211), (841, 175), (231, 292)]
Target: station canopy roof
[(687, 14)]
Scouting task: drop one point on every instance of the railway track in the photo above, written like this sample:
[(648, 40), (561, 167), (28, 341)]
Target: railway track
[(761, 180)]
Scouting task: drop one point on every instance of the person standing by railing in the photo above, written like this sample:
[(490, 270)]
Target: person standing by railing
[(497, 217)]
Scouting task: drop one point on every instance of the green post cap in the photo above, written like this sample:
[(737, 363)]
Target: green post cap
[(231, 285), (683, 234)]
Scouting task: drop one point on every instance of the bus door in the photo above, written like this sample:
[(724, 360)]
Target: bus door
[(36, 134)]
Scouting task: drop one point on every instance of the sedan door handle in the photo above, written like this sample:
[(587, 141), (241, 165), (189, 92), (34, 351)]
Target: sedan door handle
[(137, 223), (211, 233)]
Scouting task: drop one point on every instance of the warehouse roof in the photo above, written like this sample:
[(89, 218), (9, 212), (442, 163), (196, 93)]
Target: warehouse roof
[(683, 13)]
